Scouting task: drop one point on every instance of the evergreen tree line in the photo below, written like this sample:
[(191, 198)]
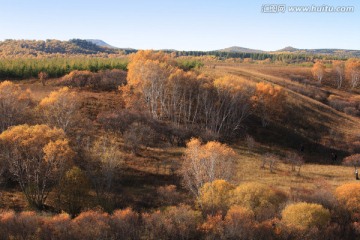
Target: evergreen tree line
[(22, 68)]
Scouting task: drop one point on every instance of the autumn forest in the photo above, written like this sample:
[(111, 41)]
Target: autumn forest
[(107, 143)]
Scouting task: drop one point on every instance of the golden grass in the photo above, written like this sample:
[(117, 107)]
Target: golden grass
[(312, 176)]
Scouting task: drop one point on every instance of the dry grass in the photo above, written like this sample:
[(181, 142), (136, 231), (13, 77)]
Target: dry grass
[(311, 175)]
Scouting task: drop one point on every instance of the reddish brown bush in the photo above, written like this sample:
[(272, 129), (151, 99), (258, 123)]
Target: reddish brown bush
[(103, 80), (352, 160), (239, 223), (138, 135), (213, 228), (91, 225), (56, 228), (168, 194), (173, 223), (125, 224)]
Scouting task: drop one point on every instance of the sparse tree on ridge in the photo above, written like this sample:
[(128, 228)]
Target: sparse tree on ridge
[(339, 68), (318, 71)]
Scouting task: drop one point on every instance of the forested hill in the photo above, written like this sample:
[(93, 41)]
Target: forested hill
[(40, 47), (342, 53)]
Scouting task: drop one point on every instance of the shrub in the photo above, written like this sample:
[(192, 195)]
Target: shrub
[(56, 228), (103, 80), (110, 79), (168, 194), (215, 197), (25, 225), (239, 223), (76, 79), (213, 228), (349, 196), (174, 223), (139, 134), (352, 160), (304, 216), (7, 224), (125, 224), (261, 199), (74, 189), (91, 225)]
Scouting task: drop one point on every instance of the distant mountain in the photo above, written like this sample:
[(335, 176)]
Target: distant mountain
[(51, 46), (236, 49), (342, 53), (288, 49), (100, 43), (322, 51)]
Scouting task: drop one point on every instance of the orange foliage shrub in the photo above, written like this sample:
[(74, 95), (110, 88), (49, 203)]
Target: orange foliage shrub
[(349, 196)]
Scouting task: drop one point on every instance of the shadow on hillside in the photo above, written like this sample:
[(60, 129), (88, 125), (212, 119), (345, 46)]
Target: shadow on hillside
[(279, 136)]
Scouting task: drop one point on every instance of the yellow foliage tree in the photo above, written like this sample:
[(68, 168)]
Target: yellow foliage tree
[(261, 199), (215, 197), (352, 69), (148, 74), (61, 108), (205, 163), (304, 216), (74, 188), (268, 100), (318, 71), (339, 69), (37, 157), (107, 160), (14, 103)]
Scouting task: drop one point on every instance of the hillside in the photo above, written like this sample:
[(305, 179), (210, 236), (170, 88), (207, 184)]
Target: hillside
[(342, 53), (100, 43), (236, 49), (50, 46)]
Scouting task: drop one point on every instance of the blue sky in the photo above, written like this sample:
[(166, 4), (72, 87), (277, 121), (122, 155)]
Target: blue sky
[(181, 25)]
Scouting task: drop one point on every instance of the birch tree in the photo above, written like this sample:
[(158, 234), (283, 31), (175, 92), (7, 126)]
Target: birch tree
[(61, 108), (37, 157), (206, 162), (14, 104)]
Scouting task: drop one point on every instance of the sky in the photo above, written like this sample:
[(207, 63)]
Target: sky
[(182, 24)]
